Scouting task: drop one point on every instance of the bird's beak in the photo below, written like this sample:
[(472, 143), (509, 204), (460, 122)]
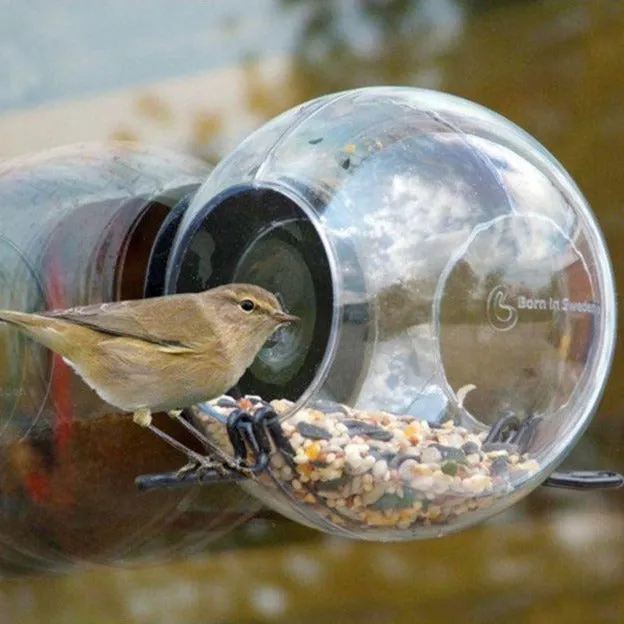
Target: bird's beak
[(282, 317)]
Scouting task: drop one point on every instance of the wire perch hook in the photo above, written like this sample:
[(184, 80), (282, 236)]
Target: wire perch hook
[(510, 429)]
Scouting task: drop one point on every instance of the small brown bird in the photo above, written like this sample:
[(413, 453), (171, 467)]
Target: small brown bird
[(164, 353)]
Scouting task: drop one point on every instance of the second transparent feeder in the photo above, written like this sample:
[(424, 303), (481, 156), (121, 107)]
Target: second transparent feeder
[(457, 305)]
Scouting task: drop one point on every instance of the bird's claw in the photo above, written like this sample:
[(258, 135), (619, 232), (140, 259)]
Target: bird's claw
[(189, 467)]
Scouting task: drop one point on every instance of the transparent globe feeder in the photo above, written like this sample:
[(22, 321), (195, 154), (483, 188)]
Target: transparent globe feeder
[(456, 300)]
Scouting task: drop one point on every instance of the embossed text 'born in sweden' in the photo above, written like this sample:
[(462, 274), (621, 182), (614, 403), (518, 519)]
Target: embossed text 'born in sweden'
[(565, 304)]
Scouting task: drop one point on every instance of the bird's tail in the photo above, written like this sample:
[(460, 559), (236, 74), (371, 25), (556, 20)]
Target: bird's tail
[(50, 332)]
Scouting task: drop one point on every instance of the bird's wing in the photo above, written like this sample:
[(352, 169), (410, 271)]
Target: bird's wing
[(168, 321)]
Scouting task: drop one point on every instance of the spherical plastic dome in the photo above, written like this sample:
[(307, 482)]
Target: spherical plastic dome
[(448, 273)]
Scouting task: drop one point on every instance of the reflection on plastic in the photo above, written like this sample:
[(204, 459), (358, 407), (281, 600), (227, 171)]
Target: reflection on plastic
[(77, 227)]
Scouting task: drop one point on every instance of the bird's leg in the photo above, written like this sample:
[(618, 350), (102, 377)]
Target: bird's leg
[(199, 469), (194, 457), (213, 449), (258, 433), (143, 417)]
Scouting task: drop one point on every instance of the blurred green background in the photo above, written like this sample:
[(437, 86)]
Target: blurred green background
[(199, 76)]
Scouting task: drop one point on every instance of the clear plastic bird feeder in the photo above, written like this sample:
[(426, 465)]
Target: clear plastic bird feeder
[(79, 225), (450, 277)]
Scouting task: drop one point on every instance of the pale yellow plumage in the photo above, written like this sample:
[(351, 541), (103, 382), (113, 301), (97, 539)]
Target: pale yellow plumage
[(163, 353)]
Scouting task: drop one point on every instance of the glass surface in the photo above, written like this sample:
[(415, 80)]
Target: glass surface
[(458, 276)]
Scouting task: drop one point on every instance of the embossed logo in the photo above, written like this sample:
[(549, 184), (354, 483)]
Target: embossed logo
[(501, 315)]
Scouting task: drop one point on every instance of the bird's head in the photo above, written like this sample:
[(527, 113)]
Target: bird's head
[(248, 315)]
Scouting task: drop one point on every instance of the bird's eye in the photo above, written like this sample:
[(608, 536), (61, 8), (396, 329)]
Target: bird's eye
[(247, 305)]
